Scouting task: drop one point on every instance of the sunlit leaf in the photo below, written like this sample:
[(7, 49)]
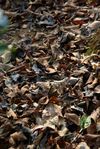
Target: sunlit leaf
[(85, 122)]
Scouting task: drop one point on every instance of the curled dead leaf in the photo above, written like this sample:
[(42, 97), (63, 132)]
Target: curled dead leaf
[(24, 89), (73, 117), (44, 100), (95, 114), (16, 137), (11, 113)]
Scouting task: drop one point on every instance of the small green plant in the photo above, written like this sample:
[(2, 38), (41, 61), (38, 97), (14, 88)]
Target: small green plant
[(85, 122)]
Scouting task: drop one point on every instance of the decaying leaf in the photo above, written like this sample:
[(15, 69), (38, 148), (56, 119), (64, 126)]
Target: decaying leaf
[(49, 74)]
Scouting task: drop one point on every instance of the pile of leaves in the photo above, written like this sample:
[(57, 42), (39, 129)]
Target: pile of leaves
[(49, 82)]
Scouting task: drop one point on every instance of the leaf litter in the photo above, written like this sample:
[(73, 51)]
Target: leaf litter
[(50, 74)]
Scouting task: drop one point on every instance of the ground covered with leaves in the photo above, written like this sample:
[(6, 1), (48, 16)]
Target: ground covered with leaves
[(50, 75)]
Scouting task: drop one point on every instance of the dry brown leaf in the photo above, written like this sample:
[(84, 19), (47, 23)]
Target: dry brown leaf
[(11, 113), (91, 129), (95, 114), (92, 137), (97, 89), (16, 137), (44, 100), (24, 89), (73, 117), (49, 82), (44, 85), (78, 21), (95, 81)]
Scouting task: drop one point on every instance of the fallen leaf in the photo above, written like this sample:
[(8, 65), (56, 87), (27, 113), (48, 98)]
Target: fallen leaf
[(95, 114), (17, 137), (12, 114), (85, 122), (73, 118)]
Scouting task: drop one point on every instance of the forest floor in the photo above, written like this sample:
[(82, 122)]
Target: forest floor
[(50, 75)]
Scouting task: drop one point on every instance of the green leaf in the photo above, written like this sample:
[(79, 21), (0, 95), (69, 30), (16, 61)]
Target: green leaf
[(85, 122), (13, 50)]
